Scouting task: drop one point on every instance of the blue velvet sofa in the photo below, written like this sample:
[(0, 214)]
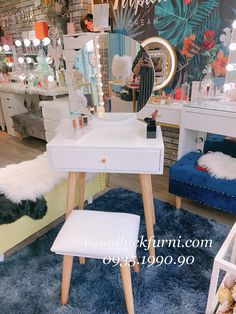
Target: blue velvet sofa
[(188, 182)]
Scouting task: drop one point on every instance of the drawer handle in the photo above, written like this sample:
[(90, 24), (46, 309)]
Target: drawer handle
[(103, 160)]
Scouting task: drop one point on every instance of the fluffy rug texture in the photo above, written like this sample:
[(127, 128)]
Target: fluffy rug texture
[(31, 279), (29, 179), (10, 212), (219, 165)]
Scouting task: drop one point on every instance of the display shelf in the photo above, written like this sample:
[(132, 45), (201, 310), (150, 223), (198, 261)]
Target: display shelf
[(225, 260)]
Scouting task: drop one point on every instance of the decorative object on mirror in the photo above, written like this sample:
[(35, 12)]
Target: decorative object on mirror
[(164, 58), (121, 68), (43, 69)]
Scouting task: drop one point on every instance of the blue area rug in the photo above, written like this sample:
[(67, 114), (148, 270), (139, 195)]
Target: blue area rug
[(30, 280)]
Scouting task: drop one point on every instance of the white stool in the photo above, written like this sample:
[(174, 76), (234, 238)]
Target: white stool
[(96, 234)]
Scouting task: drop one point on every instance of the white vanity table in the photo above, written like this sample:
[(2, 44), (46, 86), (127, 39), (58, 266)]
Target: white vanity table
[(197, 119), (12, 98), (110, 147)]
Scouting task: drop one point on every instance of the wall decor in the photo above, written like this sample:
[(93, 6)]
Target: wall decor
[(198, 29)]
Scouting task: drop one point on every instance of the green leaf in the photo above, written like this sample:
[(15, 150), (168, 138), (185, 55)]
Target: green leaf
[(174, 20)]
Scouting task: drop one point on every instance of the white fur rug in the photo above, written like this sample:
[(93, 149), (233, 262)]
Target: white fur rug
[(219, 165), (30, 179)]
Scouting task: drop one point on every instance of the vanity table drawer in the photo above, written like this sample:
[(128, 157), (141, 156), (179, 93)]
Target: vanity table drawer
[(120, 161)]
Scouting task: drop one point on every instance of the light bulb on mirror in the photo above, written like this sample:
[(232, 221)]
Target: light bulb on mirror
[(234, 24), (229, 86), (6, 47), (27, 42), (36, 42), (49, 60), (50, 78), (232, 47), (46, 41), (29, 60), (98, 46), (18, 43), (231, 67), (20, 60)]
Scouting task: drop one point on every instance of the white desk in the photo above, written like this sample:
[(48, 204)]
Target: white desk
[(207, 118), (111, 147)]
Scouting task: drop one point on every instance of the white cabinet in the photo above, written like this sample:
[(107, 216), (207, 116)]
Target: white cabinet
[(53, 112), (12, 104)]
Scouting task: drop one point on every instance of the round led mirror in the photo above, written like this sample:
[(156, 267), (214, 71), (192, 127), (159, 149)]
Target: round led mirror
[(114, 74), (164, 60)]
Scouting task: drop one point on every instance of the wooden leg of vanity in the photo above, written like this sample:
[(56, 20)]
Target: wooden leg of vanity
[(178, 201), (81, 202), (71, 192), (148, 209), (81, 189), (20, 136), (151, 193)]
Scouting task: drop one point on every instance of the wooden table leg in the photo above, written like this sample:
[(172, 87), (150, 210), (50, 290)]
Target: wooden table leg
[(148, 209), (81, 189), (71, 192), (81, 202), (151, 193)]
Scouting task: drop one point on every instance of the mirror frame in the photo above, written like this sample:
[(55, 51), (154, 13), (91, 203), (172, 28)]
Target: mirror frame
[(173, 56)]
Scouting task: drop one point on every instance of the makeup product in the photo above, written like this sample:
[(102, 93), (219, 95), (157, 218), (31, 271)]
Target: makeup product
[(81, 122)]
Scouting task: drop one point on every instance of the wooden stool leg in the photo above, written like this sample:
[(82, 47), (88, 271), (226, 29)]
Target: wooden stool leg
[(81, 202), (66, 276), (127, 286), (178, 201), (136, 265), (148, 210)]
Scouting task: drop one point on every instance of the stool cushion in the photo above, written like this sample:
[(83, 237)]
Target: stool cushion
[(98, 234), (186, 181)]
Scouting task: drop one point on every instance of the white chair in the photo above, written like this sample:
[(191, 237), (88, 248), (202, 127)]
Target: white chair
[(100, 235)]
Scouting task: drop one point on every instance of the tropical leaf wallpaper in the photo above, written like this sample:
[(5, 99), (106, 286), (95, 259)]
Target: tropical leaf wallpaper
[(199, 30)]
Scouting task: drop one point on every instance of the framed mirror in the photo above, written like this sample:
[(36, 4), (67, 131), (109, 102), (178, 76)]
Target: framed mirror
[(114, 73), (164, 60)]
